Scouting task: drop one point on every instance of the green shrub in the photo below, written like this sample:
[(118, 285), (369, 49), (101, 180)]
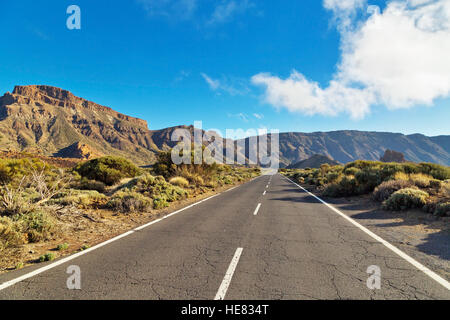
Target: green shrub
[(410, 168), (62, 246), (387, 188), (86, 184), (47, 257), (390, 169), (31, 227), (436, 184), (437, 171), (160, 202), (15, 169), (109, 170), (154, 187), (362, 164), (333, 176), (352, 171), (129, 201), (406, 199), (346, 187), (442, 209), (367, 179), (37, 225)]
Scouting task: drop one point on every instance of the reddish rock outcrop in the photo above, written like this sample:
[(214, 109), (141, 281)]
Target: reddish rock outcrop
[(41, 94)]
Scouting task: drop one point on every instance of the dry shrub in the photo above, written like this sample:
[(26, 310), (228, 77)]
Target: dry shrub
[(401, 176), (129, 201), (32, 227), (420, 180), (81, 198), (179, 181), (442, 209), (10, 234), (387, 188)]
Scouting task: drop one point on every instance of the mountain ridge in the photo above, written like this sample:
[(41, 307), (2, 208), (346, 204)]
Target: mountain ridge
[(53, 122)]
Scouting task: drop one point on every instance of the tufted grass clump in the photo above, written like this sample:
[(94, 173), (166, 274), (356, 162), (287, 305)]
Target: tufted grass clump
[(179, 181)]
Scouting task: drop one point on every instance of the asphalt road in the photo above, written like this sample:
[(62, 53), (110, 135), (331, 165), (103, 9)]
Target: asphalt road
[(291, 246)]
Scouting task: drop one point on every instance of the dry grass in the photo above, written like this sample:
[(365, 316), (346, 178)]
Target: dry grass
[(179, 181), (401, 176), (420, 180)]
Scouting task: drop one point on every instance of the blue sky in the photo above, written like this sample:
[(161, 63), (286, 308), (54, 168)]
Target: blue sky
[(173, 62)]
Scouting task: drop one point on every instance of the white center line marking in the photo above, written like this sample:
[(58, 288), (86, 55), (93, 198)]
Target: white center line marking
[(415, 263), (257, 209), (221, 293)]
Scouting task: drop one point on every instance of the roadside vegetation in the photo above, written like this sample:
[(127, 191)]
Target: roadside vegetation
[(35, 195), (396, 186)]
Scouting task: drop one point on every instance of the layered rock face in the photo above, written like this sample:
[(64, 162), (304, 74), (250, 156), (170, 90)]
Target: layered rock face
[(40, 94), (52, 121)]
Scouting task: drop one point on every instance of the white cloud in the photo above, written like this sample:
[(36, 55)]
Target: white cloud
[(343, 5), (227, 9), (398, 57), (232, 86), (241, 116), (213, 84), (258, 116), (298, 94)]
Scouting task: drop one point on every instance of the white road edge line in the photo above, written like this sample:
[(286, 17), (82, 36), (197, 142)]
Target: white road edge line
[(415, 263), (257, 209), (222, 292)]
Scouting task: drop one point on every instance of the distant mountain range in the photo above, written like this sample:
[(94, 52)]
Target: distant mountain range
[(347, 146), (54, 122)]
